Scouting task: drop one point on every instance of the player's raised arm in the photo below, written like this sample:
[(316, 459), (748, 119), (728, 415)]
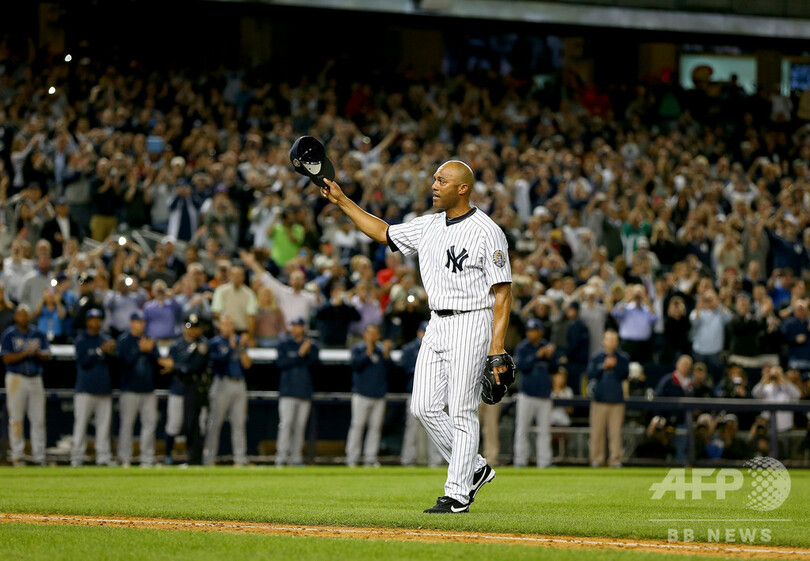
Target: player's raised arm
[(372, 226)]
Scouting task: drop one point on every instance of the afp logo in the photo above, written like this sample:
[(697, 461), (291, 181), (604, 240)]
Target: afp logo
[(766, 481)]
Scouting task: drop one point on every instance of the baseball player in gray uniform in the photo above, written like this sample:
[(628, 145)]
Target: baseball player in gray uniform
[(464, 263)]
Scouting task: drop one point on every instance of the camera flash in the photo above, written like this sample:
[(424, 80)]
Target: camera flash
[(122, 241), (68, 58), (51, 90), (54, 282)]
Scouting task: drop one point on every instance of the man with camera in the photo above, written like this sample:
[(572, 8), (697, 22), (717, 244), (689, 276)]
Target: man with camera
[(709, 319), (775, 387), (635, 318)]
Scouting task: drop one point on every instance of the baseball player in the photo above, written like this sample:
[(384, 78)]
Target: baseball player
[(23, 349), (229, 360), (411, 436), (464, 264), (370, 362), (137, 359), (94, 352), (536, 359), (297, 356)]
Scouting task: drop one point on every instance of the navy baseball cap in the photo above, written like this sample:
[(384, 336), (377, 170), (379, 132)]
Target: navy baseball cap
[(308, 157), (534, 324), (423, 326), (298, 321), (137, 315), (94, 313)]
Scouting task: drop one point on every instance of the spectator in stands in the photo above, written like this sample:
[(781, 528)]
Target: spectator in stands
[(701, 383), (676, 331), (37, 281), (370, 363), (635, 319), (60, 228), (228, 396), (577, 343), (6, 311), (120, 303), (725, 443), (238, 301), (137, 356), (593, 312), (105, 199), (95, 352), (537, 361), (184, 212), (560, 416), (607, 370), (796, 331), (270, 323), (50, 314), (24, 349), (15, 269), (297, 356), (775, 387), (657, 443), (335, 316), (162, 314), (287, 236), (743, 333), (709, 319), (734, 383), (156, 270), (293, 300)]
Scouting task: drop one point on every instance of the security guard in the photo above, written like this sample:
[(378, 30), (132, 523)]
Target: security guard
[(188, 362)]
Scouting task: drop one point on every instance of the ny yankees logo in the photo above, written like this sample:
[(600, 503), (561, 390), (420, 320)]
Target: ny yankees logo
[(458, 261)]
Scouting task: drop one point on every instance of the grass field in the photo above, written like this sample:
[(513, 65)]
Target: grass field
[(563, 501)]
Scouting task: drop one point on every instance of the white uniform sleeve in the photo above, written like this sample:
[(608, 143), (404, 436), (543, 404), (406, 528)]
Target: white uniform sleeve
[(406, 237), (496, 257)]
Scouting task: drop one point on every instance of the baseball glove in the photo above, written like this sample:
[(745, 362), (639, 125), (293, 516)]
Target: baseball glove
[(491, 391)]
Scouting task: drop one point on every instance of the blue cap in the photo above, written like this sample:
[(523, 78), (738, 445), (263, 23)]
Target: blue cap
[(137, 315), (94, 313), (298, 321), (534, 323), (423, 326)]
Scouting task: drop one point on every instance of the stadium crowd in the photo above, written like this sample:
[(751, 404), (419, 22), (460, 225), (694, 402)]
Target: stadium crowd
[(659, 237)]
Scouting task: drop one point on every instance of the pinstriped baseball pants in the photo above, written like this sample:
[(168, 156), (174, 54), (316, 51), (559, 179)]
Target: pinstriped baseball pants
[(448, 373)]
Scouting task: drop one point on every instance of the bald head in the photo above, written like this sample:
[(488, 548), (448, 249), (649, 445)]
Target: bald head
[(452, 185), (461, 171)]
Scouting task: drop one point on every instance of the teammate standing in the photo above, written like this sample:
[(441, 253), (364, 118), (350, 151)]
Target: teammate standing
[(137, 362), (464, 263), (23, 349)]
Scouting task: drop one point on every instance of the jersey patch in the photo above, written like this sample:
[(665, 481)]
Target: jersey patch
[(498, 259)]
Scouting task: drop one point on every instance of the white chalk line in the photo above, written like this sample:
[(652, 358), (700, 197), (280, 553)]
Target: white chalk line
[(703, 547)]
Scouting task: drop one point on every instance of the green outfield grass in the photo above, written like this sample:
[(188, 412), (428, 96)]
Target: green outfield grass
[(33, 543), (565, 501)]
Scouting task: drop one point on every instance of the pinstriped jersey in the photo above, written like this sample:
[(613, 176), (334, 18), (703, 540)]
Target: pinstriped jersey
[(459, 258)]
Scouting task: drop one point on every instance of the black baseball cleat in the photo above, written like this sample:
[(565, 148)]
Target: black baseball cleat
[(447, 505), (482, 476)]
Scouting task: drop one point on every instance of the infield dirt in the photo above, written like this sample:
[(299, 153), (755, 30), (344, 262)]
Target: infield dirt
[(737, 551)]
